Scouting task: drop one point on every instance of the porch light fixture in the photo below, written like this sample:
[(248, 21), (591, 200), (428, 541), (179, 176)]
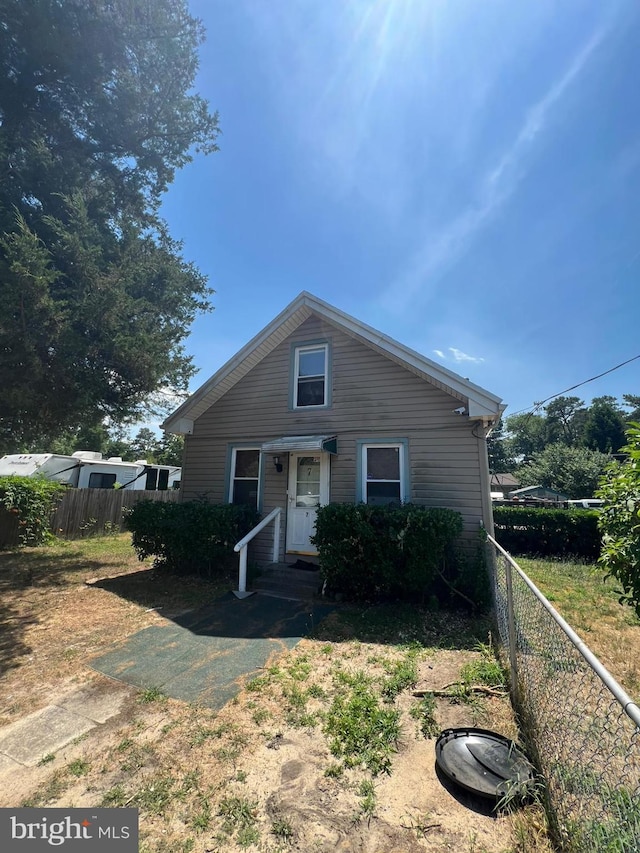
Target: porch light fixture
[(278, 464)]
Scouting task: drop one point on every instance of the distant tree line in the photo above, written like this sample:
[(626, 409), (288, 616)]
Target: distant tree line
[(567, 445), (146, 444)]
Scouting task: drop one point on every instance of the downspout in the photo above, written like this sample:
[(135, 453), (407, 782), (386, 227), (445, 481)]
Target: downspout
[(481, 430)]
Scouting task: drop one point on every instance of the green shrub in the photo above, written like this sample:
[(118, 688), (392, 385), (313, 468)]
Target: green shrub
[(619, 521), (372, 552), (32, 501), (548, 532), (188, 537)]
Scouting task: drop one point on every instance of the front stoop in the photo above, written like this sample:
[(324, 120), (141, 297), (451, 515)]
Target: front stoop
[(284, 581)]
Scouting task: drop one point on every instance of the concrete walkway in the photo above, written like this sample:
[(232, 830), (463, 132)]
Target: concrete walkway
[(25, 742)]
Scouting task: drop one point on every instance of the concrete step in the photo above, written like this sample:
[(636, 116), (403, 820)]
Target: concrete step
[(282, 580)]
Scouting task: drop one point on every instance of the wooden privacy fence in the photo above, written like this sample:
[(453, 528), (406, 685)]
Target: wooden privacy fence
[(93, 512), (86, 512)]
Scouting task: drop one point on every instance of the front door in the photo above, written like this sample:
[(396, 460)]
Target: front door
[(308, 489)]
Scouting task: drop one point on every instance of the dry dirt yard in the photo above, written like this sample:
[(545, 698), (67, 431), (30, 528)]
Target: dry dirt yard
[(327, 750)]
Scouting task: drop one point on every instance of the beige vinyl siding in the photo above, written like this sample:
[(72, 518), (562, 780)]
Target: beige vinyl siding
[(372, 398)]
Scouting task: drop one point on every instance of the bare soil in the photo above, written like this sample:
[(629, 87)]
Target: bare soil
[(259, 774)]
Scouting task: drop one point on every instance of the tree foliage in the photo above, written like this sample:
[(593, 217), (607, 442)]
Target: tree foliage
[(97, 111), (574, 471), (620, 521)]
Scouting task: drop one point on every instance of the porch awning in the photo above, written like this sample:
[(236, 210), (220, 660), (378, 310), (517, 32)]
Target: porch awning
[(287, 443)]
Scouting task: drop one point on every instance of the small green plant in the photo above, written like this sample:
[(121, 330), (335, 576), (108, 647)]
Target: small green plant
[(239, 818), (155, 794), (152, 694), (368, 801), (486, 670), (115, 797), (282, 829), (201, 820), (78, 767), (46, 759), (334, 771), (424, 712), (402, 675)]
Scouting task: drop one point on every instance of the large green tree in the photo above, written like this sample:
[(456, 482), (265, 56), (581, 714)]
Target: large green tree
[(97, 111), (575, 471), (605, 425)]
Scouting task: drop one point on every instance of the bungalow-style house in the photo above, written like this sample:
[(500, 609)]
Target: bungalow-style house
[(320, 407), (504, 484), (540, 493)]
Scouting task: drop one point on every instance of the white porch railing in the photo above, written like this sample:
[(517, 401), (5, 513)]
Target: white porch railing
[(242, 547)]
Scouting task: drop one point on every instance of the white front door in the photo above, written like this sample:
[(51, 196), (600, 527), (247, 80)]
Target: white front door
[(308, 489)]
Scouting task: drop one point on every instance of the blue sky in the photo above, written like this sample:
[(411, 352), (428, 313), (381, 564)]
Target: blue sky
[(463, 176)]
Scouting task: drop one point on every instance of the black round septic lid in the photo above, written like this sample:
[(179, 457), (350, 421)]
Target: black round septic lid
[(484, 762)]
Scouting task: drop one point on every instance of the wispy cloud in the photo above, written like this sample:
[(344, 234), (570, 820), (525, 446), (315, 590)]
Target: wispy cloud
[(458, 356), (438, 251), (439, 353)]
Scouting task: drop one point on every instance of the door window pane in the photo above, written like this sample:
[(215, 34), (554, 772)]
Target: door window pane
[(308, 481)]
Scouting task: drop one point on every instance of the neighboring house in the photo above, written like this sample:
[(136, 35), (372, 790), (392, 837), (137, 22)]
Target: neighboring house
[(539, 493), (504, 483), (320, 407)]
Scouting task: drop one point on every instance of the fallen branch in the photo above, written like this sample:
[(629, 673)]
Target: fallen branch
[(470, 688)]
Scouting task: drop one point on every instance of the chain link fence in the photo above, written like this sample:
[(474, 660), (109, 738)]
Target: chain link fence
[(582, 728)]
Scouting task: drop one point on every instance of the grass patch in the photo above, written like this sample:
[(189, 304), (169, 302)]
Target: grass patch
[(152, 694), (487, 670), (590, 605), (239, 819), (424, 712), (361, 732)]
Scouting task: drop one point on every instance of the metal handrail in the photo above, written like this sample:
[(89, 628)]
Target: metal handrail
[(242, 546), (629, 706)]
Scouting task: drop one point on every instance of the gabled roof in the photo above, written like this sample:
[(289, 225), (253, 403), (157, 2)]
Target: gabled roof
[(479, 403)]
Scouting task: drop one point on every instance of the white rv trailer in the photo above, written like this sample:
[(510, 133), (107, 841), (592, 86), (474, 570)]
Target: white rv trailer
[(88, 470)]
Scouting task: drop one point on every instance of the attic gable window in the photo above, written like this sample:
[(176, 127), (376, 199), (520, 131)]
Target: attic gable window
[(310, 376)]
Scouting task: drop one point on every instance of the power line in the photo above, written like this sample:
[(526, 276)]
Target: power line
[(535, 406)]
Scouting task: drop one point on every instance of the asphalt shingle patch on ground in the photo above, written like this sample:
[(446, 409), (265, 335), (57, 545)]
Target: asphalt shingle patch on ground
[(205, 655)]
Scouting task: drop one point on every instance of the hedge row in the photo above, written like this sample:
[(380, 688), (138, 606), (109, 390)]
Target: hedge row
[(369, 553), (548, 532), (188, 537)]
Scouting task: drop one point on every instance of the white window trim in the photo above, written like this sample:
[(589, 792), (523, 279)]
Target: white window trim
[(232, 472), (296, 375), (400, 446)]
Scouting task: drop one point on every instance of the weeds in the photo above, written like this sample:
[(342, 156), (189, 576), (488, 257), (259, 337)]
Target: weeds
[(424, 712), (78, 767), (361, 732), (282, 829), (239, 818), (152, 694)]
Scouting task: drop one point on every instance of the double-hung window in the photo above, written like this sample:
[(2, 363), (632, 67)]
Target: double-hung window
[(310, 376), (245, 476), (383, 473)]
